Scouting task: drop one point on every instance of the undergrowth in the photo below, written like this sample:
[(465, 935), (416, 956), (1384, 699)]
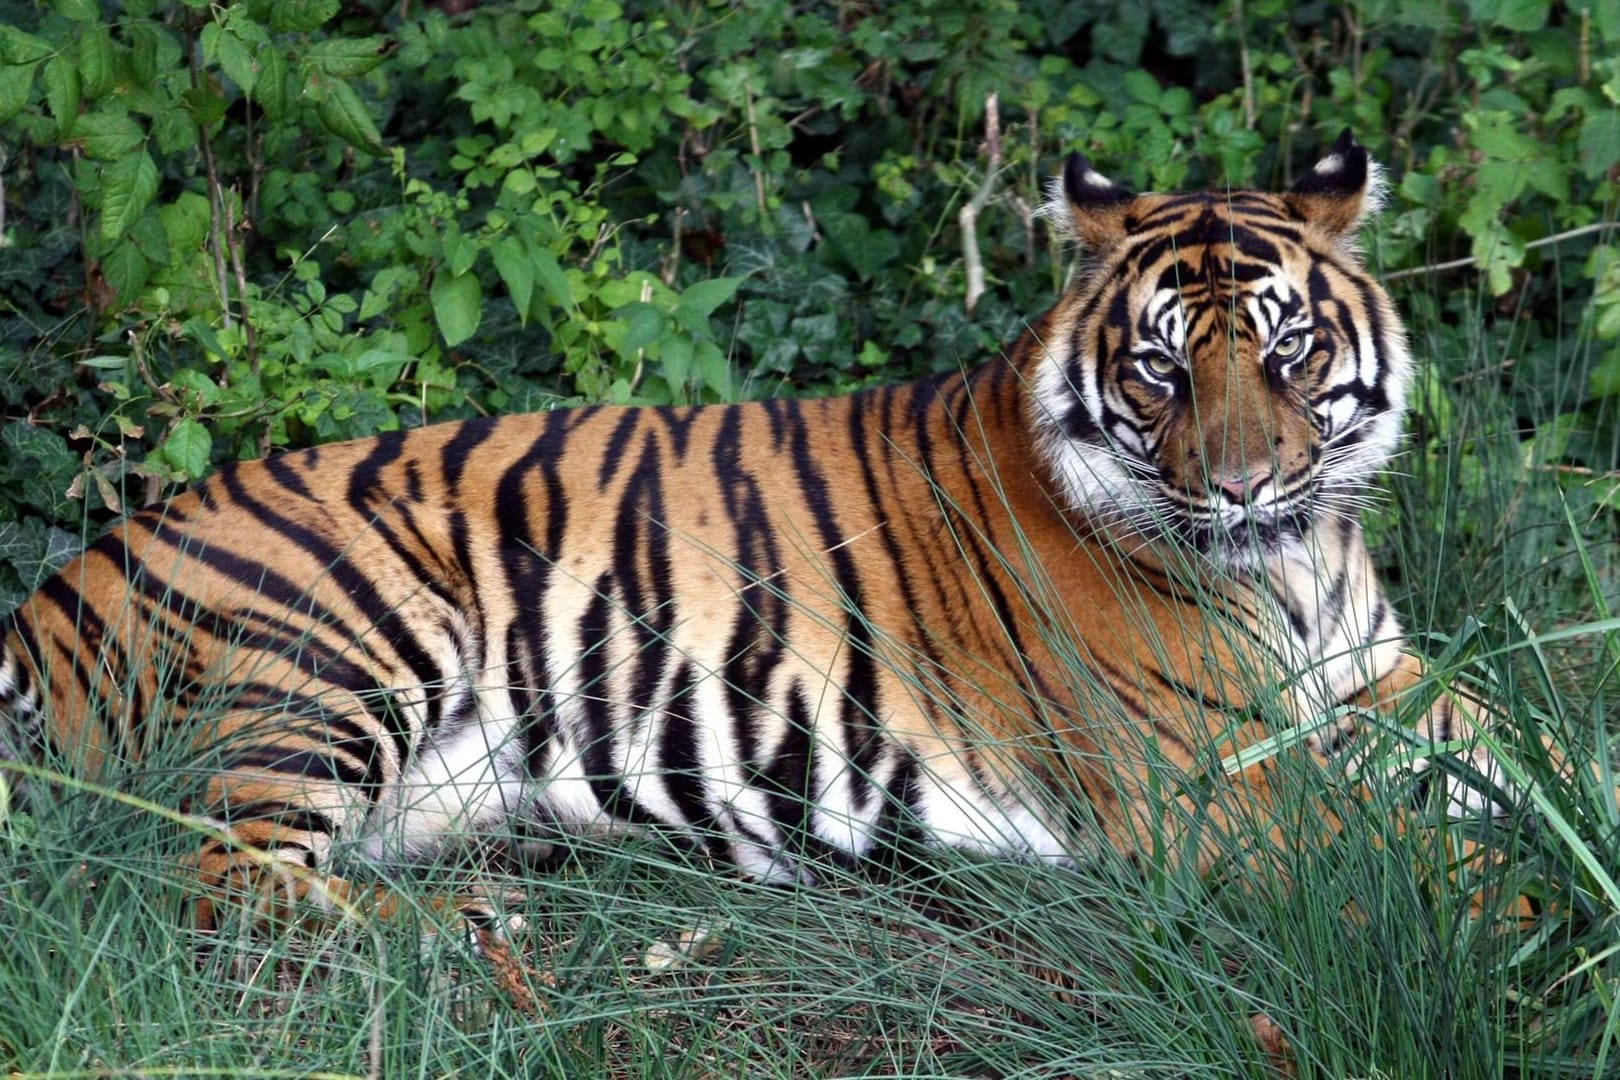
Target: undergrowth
[(785, 221)]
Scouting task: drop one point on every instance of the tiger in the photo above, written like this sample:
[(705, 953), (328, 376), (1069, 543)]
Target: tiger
[(993, 609)]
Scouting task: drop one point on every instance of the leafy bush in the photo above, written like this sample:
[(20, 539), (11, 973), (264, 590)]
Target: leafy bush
[(238, 227), (270, 223)]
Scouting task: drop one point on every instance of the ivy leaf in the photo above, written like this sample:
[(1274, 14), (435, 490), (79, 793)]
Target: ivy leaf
[(36, 550), (187, 448), (41, 466), (344, 115), (457, 306), (127, 189)]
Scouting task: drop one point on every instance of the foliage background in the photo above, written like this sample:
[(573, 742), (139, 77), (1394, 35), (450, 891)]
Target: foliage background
[(235, 227)]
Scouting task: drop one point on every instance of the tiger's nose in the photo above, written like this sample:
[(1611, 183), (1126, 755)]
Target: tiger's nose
[(1244, 487)]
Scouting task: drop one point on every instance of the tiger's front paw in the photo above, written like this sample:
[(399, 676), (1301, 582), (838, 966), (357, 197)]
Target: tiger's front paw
[(1472, 781)]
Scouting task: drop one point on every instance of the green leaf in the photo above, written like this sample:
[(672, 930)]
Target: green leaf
[(62, 92), (345, 58), (17, 47), (301, 16), (36, 550), (185, 221), (1600, 142), (516, 268), (16, 83), (552, 279), (79, 10), (270, 91), (343, 114), (702, 297), (127, 189), (96, 62), (153, 51), (107, 134), (644, 324), (460, 251), (174, 129), (457, 306), (715, 370), (1607, 17), (41, 465), (1520, 15), (187, 448), (676, 357), (232, 54), (380, 296), (126, 270)]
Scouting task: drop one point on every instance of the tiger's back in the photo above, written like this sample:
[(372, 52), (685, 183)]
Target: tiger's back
[(785, 630)]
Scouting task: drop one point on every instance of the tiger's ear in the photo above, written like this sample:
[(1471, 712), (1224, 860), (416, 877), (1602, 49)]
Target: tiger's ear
[(1089, 206), (1342, 190)]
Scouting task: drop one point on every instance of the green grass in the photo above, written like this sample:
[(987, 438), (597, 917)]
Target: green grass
[(1367, 956)]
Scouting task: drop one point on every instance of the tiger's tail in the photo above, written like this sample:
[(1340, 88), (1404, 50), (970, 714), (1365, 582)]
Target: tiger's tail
[(21, 720)]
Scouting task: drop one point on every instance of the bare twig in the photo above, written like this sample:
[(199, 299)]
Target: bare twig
[(672, 266), (233, 247), (1245, 65), (1577, 470), (753, 143), (810, 220), (1457, 264), (969, 214), (215, 209)]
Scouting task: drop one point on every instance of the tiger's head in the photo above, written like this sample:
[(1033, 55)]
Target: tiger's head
[(1224, 371)]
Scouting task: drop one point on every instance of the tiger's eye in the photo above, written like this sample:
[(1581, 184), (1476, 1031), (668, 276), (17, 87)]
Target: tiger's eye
[(1161, 365), (1289, 346)]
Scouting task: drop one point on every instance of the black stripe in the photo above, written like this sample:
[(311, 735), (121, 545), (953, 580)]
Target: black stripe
[(761, 626), (859, 705), (371, 498), (281, 469), (281, 760), (595, 699), (527, 564), (678, 422), (453, 458), (286, 815), (613, 452), (641, 541), (359, 588), (678, 757)]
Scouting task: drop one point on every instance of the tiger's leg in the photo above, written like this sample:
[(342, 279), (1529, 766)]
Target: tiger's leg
[(280, 799), (1453, 717)]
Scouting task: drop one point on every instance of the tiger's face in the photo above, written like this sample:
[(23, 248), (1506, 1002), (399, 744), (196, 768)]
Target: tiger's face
[(1224, 373)]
